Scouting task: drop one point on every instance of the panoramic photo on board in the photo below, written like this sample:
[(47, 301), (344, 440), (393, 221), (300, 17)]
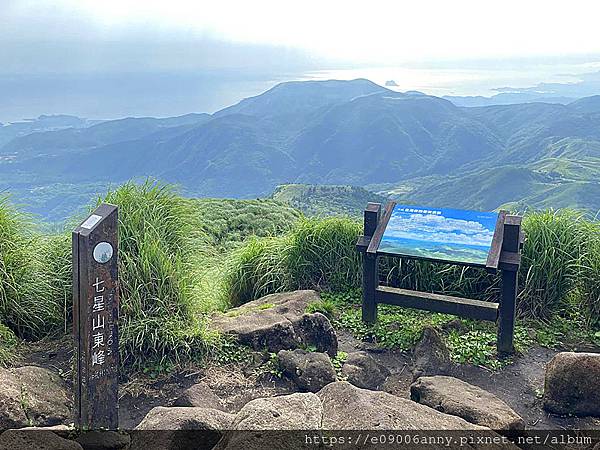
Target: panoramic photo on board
[(448, 234), (281, 225)]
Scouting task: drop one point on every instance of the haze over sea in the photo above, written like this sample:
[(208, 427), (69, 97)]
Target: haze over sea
[(119, 94)]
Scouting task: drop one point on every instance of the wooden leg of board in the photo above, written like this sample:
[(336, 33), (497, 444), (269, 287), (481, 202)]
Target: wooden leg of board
[(369, 306), (506, 313)]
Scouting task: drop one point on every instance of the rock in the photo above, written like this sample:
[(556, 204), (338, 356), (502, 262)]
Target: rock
[(311, 371), (571, 385), (200, 395), (301, 411), (453, 396), (363, 371), (33, 396), (316, 330), (103, 440), (430, 356), (27, 439), (346, 407), (177, 426), (278, 322)]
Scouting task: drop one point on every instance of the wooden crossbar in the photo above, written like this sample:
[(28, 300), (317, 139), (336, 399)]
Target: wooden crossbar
[(463, 307)]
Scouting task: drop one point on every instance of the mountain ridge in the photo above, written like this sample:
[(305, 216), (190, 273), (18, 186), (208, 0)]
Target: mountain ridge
[(323, 132)]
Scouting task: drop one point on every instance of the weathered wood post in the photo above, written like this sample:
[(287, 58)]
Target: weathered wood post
[(95, 317), (372, 215), (511, 247)]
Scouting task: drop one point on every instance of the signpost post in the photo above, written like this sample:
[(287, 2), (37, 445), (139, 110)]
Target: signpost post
[(487, 240), (95, 317)]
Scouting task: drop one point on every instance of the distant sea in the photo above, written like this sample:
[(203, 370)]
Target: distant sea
[(115, 95)]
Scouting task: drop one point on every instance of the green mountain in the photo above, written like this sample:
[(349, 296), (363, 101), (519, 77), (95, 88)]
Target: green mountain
[(419, 148), (326, 200)]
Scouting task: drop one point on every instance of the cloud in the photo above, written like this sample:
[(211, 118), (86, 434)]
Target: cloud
[(437, 228)]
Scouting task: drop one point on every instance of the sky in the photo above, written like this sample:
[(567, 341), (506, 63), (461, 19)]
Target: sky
[(125, 57)]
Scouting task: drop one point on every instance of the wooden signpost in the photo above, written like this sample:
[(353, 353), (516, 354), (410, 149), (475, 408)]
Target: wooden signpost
[(95, 317), (487, 240)]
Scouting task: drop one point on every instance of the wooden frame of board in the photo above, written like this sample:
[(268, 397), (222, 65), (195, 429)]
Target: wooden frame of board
[(504, 255)]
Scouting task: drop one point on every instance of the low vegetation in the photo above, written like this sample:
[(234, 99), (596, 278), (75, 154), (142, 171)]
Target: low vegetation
[(182, 259)]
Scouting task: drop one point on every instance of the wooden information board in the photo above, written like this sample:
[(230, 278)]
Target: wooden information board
[(487, 240), (95, 318)]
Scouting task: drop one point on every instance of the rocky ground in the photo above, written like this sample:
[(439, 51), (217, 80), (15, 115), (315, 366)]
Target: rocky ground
[(373, 389)]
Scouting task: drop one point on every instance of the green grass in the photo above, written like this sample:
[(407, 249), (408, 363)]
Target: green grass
[(159, 240), (29, 300), (230, 222), (8, 345), (326, 200), (314, 254), (556, 242)]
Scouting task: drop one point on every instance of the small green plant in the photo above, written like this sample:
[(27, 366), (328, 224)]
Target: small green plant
[(272, 366), (227, 351), (325, 307), (539, 393), (338, 362)]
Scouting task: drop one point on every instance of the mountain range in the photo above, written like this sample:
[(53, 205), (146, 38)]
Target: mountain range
[(410, 146)]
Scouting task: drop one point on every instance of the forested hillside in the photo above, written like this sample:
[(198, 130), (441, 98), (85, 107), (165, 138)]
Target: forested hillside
[(414, 147)]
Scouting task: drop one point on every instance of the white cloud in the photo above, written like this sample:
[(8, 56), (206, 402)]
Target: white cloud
[(383, 32)]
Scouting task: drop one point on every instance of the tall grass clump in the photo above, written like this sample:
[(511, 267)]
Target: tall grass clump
[(27, 302), (159, 240), (256, 269), (556, 241), (588, 276), (321, 254), (315, 253), (8, 344)]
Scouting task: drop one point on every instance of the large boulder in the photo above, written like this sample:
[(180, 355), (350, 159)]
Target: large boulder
[(363, 371), (453, 396), (32, 395), (301, 411), (201, 396), (431, 356), (571, 385), (346, 407), (181, 428), (311, 371), (28, 439), (279, 322)]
